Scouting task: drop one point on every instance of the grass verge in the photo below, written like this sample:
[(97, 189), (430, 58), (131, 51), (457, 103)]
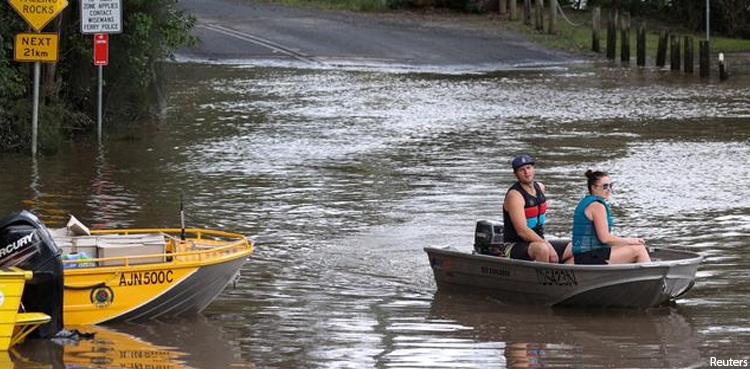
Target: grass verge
[(575, 36)]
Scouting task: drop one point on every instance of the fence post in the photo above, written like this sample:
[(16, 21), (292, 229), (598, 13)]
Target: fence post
[(539, 15), (611, 34), (674, 47), (552, 17), (661, 51), (705, 59), (513, 10), (689, 54), (527, 12), (502, 7), (723, 72), (625, 37), (641, 45), (596, 28)]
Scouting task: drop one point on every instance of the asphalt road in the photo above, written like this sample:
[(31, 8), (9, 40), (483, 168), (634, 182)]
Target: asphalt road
[(247, 32)]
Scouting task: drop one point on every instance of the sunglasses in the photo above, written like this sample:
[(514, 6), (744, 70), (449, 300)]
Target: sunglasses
[(608, 186)]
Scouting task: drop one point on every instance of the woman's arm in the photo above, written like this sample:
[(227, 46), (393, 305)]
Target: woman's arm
[(598, 214)]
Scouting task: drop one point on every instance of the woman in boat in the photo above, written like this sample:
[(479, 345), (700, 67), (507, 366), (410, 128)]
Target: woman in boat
[(593, 242)]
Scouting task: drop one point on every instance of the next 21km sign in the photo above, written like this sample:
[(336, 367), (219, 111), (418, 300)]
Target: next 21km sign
[(101, 16)]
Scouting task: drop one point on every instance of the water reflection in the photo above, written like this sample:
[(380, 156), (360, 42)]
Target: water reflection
[(533, 337), (108, 198), (194, 343)]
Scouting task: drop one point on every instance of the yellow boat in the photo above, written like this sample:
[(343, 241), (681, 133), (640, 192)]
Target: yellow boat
[(141, 274), (15, 325)]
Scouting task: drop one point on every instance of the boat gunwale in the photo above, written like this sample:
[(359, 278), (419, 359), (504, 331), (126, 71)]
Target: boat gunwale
[(693, 259), (238, 241)]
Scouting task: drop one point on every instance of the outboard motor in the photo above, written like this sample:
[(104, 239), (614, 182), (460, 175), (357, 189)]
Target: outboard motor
[(26, 243), (488, 238)]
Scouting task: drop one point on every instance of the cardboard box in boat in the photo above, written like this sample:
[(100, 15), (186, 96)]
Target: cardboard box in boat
[(110, 247)]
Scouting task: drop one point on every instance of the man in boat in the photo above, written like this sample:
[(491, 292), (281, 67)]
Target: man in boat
[(524, 215), (593, 242)]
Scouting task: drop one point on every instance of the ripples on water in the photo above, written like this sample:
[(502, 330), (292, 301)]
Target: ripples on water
[(344, 176)]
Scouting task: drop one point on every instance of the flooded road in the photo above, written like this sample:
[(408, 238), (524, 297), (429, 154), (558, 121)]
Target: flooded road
[(343, 176)]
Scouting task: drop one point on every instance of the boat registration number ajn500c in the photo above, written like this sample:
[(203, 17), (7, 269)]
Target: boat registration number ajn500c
[(144, 278)]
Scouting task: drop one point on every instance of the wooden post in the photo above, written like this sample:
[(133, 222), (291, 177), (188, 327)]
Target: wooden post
[(552, 17), (661, 51), (705, 59), (674, 49), (641, 45), (723, 72), (539, 15), (611, 34), (689, 54), (527, 12), (596, 29), (625, 37), (513, 16), (502, 7)]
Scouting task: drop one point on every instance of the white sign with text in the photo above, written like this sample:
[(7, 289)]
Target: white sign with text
[(101, 16)]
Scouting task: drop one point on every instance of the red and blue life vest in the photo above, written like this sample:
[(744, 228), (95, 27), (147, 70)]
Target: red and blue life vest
[(535, 209)]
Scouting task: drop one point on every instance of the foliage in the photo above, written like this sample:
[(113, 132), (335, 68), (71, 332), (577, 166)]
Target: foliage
[(152, 30), (728, 17)]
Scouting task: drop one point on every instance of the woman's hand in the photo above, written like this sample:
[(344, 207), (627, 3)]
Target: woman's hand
[(636, 241)]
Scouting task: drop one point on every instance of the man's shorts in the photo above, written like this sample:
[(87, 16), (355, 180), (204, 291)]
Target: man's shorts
[(520, 250), (594, 257)]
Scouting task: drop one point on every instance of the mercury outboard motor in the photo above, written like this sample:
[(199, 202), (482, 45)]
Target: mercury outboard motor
[(488, 237), (27, 244)]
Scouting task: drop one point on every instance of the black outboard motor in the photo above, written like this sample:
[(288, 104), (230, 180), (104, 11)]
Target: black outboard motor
[(26, 243), (488, 238)]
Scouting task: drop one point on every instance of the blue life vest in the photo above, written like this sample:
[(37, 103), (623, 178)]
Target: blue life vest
[(584, 234)]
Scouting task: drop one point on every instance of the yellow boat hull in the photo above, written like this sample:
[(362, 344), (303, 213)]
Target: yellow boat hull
[(182, 280), (15, 325)]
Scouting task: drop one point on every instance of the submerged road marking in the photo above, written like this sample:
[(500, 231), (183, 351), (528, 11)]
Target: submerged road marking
[(260, 41)]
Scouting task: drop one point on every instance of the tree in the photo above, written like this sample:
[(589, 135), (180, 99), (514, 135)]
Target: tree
[(152, 31)]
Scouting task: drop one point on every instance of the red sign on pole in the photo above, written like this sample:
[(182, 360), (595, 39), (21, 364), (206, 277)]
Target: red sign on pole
[(101, 49)]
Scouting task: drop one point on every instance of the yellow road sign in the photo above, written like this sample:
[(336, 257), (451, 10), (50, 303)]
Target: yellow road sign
[(36, 47), (38, 13)]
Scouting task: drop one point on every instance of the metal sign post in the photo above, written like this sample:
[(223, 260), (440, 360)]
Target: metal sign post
[(35, 109), (37, 47), (101, 58), (101, 17)]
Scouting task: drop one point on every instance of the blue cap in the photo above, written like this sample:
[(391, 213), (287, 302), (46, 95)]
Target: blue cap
[(522, 160)]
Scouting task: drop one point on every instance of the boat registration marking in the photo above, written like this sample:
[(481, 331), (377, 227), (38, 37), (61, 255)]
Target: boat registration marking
[(495, 271), (144, 278), (556, 277)]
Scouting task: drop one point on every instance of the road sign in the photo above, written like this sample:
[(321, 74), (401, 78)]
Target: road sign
[(38, 13), (36, 47), (101, 49), (101, 16)]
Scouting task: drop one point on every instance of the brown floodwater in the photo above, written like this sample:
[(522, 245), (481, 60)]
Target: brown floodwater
[(343, 176)]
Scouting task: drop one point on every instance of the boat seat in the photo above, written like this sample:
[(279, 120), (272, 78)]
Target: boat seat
[(25, 324), (32, 318)]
